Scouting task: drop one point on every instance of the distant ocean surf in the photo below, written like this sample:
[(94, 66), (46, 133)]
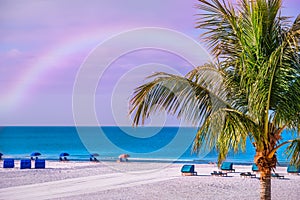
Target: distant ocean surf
[(142, 143)]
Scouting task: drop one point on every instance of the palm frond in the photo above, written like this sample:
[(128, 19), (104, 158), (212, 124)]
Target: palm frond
[(226, 130), (189, 98), (253, 90), (293, 152), (220, 22)]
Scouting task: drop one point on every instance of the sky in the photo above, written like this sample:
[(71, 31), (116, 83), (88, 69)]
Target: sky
[(45, 47)]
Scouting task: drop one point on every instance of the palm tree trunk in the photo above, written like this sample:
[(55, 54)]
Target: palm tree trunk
[(265, 185)]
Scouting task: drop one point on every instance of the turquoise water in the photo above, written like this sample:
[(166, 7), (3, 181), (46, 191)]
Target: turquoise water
[(142, 143)]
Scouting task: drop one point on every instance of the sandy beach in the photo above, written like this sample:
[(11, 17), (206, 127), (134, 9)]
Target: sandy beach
[(136, 180)]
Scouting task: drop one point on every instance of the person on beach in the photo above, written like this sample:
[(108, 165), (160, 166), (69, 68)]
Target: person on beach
[(63, 158), (93, 158), (123, 157)]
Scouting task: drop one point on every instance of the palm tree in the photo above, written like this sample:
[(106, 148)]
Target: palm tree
[(251, 91)]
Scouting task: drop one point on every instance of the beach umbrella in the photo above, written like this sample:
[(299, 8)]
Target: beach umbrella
[(64, 154), (35, 154)]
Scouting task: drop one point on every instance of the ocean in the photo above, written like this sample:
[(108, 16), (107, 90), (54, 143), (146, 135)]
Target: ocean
[(162, 144)]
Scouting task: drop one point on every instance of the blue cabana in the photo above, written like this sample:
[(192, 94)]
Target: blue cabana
[(293, 169), (8, 163), (227, 166), (25, 164), (188, 170), (40, 164)]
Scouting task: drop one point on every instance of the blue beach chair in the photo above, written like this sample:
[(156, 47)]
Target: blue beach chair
[(8, 163), (227, 166), (25, 164), (255, 168), (40, 164), (292, 169), (188, 170)]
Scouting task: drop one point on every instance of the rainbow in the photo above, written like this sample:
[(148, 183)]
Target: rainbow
[(56, 55)]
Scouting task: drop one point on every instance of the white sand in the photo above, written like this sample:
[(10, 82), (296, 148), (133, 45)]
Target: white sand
[(136, 180)]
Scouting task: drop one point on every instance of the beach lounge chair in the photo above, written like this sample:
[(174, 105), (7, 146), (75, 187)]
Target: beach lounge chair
[(8, 163), (247, 174), (292, 169), (188, 170), (276, 175), (227, 166), (40, 164), (219, 173), (255, 168), (25, 164)]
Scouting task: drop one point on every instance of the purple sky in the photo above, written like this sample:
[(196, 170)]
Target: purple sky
[(44, 43)]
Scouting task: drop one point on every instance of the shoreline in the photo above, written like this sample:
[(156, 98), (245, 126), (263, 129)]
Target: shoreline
[(147, 160)]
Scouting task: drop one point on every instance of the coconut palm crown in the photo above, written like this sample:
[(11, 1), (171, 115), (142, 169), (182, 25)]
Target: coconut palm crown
[(252, 90)]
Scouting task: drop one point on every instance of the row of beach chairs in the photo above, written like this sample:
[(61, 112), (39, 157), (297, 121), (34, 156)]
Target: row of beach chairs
[(291, 169), (24, 164), (189, 170), (62, 156)]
